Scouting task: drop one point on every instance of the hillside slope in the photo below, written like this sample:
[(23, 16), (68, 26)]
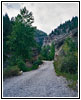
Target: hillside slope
[(62, 31), (39, 36)]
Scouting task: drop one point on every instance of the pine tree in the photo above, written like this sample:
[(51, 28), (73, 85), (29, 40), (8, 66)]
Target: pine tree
[(21, 39), (6, 33)]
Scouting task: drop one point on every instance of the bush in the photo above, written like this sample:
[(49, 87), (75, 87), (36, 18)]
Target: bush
[(11, 71), (66, 64), (70, 61), (69, 64), (36, 64), (57, 64), (48, 52), (52, 52), (70, 46), (34, 67), (12, 60), (22, 65), (45, 52), (40, 57)]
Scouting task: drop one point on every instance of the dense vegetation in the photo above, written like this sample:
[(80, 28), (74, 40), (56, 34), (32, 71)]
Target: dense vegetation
[(66, 63), (19, 44), (7, 27), (65, 27), (48, 52)]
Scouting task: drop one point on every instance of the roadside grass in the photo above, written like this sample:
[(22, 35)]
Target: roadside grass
[(71, 78), (11, 71), (66, 63)]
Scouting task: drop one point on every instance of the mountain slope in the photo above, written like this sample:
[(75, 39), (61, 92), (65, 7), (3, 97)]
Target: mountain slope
[(39, 36), (65, 27), (62, 31)]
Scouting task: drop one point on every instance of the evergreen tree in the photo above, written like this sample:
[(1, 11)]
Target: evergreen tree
[(21, 39), (52, 51), (6, 33)]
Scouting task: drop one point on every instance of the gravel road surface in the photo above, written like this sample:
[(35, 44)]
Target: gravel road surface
[(42, 82)]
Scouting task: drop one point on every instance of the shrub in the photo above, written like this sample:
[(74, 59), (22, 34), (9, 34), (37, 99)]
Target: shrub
[(34, 67), (70, 46), (12, 60), (69, 64), (57, 64), (11, 71), (70, 61), (45, 52), (66, 64), (40, 57), (52, 52), (21, 64), (36, 64), (48, 52)]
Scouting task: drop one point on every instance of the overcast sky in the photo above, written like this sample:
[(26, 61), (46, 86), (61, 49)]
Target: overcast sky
[(47, 16)]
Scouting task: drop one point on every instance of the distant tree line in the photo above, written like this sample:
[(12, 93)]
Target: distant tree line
[(66, 27)]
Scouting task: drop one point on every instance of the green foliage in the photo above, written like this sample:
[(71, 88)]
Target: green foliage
[(52, 51), (12, 61), (68, 25), (69, 64), (21, 43), (69, 46), (57, 64), (69, 76), (48, 52), (6, 32), (34, 67), (74, 22), (21, 39), (21, 65), (69, 61), (25, 17), (45, 52), (73, 83), (36, 63), (67, 67), (10, 71)]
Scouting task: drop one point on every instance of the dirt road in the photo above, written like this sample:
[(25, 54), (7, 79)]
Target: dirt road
[(42, 82)]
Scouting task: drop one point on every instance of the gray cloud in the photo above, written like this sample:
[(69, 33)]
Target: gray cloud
[(12, 5), (47, 16)]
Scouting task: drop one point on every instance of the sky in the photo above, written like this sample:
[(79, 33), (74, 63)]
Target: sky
[(47, 16)]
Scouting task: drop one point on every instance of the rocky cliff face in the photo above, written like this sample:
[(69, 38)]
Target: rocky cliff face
[(58, 36)]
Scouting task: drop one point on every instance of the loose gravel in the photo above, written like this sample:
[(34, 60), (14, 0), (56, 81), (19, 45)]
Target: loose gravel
[(42, 82)]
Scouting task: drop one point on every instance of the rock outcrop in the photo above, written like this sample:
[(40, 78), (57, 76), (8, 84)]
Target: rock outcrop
[(69, 28), (58, 39)]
